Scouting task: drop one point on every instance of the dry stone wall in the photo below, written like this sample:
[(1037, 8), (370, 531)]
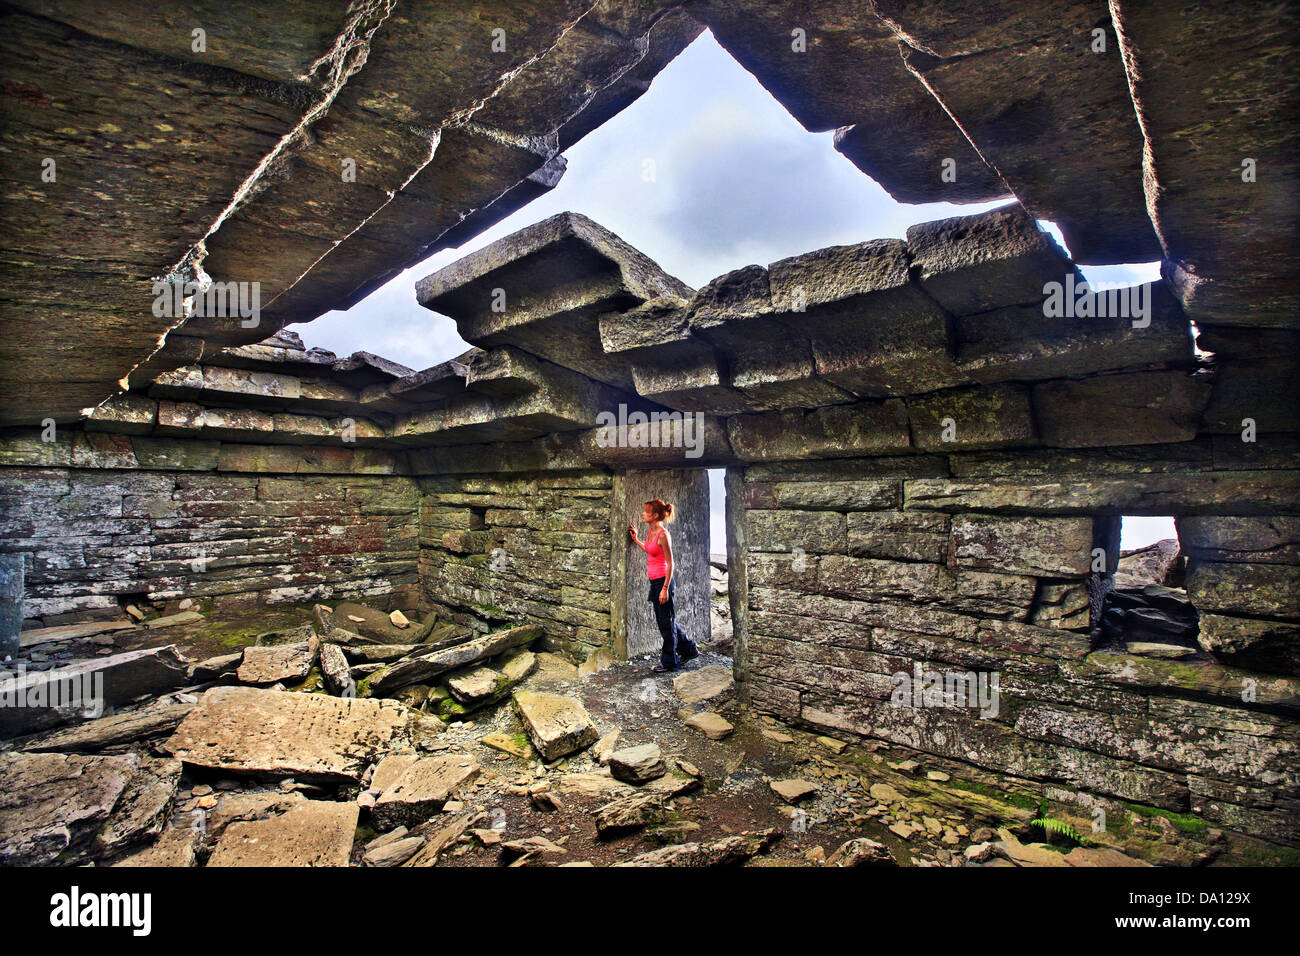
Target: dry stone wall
[(868, 576), (278, 530), (529, 547)]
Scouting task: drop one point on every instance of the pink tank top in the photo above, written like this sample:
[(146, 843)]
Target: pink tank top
[(656, 561)]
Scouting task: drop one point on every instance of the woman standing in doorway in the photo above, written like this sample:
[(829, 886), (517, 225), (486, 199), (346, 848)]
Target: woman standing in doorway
[(678, 648)]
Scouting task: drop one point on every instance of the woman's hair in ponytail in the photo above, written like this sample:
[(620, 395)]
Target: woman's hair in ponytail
[(661, 509)]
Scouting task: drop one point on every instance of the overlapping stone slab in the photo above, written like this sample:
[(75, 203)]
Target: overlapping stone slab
[(849, 75), (670, 365), (993, 260), (105, 113), (1229, 243), (549, 285), (41, 699), (768, 355), (512, 396), (312, 833), (66, 809), (293, 98), (1046, 108)]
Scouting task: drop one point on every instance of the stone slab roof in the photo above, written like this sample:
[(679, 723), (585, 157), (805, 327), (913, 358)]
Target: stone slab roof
[(1147, 129)]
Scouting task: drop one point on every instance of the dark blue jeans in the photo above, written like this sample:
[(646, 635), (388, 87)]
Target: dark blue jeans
[(676, 644)]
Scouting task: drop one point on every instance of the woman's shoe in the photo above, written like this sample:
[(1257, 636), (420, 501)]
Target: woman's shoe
[(660, 669), (690, 655)]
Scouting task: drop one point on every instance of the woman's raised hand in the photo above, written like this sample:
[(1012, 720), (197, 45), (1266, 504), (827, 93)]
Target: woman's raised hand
[(631, 529)]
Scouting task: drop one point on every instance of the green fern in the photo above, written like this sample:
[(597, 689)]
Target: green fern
[(1052, 825)]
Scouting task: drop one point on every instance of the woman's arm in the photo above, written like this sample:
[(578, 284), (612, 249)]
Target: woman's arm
[(666, 543), (631, 529)]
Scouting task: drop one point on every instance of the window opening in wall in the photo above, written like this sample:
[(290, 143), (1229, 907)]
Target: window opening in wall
[(719, 577), (1145, 607)]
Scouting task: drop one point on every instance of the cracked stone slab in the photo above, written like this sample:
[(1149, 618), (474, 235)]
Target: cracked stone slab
[(57, 696), (1052, 116), (280, 734), (422, 788), (67, 809), (556, 724), (312, 833)]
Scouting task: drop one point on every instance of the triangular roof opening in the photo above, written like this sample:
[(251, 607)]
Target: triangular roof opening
[(705, 173)]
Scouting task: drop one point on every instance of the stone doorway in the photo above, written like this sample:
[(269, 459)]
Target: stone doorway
[(632, 619)]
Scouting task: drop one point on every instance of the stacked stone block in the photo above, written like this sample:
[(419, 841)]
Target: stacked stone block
[(527, 548), (862, 569)]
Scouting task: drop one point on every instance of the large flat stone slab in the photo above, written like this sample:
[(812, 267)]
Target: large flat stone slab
[(68, 809), (422, 789), (377, 625), (95, 735), (284, 662), (42, 699), (313, 833), (852, 79), (556, 278), (281, 734), (1230, 254), (703, 684), (557, 725), (1050, 114)]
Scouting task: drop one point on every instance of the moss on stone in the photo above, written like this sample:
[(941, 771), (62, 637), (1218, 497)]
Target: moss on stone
[(1186, 822), (1014, 797), (312, 683)]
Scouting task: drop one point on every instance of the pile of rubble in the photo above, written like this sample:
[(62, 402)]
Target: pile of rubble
[(376, 739)]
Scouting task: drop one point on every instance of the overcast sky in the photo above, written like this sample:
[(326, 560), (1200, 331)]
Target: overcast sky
[(736, 181)]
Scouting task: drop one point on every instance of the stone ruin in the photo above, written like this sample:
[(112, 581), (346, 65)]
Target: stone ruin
[(926, 465)]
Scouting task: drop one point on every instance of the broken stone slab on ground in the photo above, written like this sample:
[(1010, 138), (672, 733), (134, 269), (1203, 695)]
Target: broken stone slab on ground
[(273, 734), (629, 813), (335, 672), (442, 835), (173, 848), (557, 725), (704, 684), (336, 628), (68, 809), (637, 765), (861, 852), (379, 626), (50, 698), (725, 852), (792, 791), (94, 735), (71, 632), (420, 669), (313, 833), (284, 662), (480, 686), (714, 726), (422, 789)]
